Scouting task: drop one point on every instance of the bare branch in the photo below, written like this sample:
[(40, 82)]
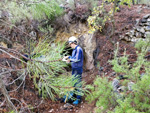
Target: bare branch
[(14, 51), (26, 105), (4, 67), (5, 93), (12, 56), (15, 80), (2, 103), (11, 70), (19, 85)]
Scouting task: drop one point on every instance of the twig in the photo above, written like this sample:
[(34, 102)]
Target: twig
[(2, 103), (19, 85), (9, 71), (17, 101), (15, 80), (2, 66), (25, 105), (4, 73), (6, 95), (5, 39), (12, 56), (8, 63), (12, 50)]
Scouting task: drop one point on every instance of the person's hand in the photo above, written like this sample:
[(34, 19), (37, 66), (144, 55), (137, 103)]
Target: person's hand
[(68, 61), (66, 57)]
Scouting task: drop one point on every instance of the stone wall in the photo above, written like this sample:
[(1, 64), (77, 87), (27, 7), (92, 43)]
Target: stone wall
[(140, 31)]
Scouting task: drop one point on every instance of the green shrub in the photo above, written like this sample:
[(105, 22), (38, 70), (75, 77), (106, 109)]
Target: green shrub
[(46, 9), (103, 94), (135, 100), (33, 9), (138, 100)]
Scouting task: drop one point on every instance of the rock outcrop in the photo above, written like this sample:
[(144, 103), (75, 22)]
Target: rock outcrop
[(140, 31), (88, 44)]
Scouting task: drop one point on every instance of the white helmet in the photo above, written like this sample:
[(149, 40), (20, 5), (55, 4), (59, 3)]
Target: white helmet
[(72, 39)]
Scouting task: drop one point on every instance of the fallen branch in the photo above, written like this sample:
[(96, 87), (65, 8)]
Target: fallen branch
[(14, 51), (12, 56)]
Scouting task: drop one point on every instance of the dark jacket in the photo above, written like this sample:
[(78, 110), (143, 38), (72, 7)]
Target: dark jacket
[(77, 58)]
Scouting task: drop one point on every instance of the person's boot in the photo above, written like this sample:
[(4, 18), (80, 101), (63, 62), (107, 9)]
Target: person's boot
[(78, 100), (68, 97)]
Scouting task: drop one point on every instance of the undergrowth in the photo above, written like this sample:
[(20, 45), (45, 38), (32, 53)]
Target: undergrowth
[(33, 9), (133, 98)]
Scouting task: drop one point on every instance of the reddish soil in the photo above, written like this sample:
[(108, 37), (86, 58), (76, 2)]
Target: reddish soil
[(28, 95), (125, 20)]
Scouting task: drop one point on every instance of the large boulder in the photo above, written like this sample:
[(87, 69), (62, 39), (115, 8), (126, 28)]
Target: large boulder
[(88, 44)]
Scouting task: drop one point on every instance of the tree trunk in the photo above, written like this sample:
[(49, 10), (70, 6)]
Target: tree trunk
[(113, 20), (5, 93), (133, 2), (75, 3)]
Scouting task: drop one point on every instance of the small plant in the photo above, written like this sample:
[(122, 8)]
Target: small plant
[(98, 19), (103, 94), (101, 16)]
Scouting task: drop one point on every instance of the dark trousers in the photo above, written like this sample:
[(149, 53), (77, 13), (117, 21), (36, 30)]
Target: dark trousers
[(77, 77)]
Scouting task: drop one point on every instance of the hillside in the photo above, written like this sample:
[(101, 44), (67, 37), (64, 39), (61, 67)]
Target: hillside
[(13, 39)]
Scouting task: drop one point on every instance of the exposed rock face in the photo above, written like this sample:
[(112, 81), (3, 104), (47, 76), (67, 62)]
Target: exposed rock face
[(85, 40), (140, 31), (88, 44)]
